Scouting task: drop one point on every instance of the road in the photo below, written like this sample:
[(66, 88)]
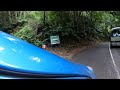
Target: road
[(104, 60)]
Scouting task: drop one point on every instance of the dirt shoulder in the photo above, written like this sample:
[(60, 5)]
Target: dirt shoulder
[(68, 50)]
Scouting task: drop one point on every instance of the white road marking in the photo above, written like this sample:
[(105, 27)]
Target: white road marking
[(118, 75)]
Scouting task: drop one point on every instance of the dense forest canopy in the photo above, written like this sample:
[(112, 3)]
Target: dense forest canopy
[(37, 26)]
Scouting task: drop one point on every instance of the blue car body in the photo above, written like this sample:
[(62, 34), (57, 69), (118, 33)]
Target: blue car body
[(19, 59)]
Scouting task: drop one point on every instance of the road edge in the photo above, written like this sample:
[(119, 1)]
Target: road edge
[(118, 75)]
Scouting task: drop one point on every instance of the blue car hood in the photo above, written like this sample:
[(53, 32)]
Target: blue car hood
[(18, 55)]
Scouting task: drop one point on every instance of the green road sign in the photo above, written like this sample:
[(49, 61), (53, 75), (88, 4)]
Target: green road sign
[(55, 39)]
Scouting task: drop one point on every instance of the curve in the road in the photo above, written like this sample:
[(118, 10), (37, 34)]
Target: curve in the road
[(98, 57)]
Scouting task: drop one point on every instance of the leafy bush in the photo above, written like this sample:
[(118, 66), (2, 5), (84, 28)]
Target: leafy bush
[(74, 25), (27, 34)]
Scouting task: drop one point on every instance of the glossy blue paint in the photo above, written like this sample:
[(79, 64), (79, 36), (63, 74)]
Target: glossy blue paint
[(8, 77), (18, 55)]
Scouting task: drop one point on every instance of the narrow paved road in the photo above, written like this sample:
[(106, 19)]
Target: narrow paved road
[(104, 60)]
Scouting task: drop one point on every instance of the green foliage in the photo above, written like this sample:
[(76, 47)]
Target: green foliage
[(75, 25), (72, 24), (27, 34), (4, 19), (104, 21), (26, 30)]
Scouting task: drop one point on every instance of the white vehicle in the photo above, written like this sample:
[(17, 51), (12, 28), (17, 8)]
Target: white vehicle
[(115, 37)]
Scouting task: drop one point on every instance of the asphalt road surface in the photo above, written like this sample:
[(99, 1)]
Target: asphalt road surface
[(104, 60)]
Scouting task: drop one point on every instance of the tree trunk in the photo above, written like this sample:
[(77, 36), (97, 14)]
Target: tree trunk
[(44, 15)]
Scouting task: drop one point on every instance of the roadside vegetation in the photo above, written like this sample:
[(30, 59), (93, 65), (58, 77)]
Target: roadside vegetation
[(76, 29)]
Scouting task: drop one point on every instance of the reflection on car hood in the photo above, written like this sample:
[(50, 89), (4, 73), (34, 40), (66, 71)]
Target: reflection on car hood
[(18, 55)]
